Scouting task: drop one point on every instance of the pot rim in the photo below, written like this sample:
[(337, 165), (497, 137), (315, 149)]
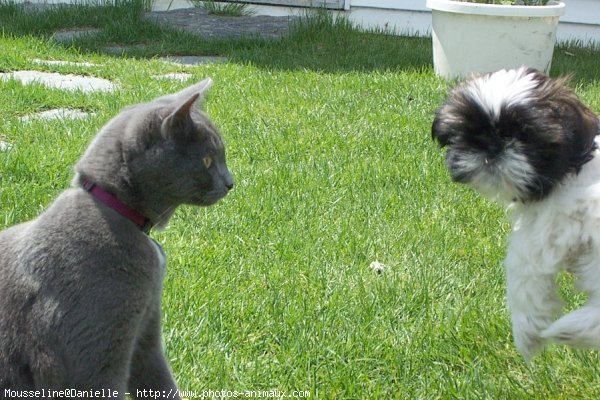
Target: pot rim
[(552, 9)]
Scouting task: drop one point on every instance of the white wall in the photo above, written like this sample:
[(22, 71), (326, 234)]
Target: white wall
[(580, 22), (395, 16)]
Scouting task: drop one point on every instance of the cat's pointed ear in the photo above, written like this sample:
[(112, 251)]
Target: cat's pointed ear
[(203, 86), (182, 110), (178, 122), (188, 97), (199, 89)]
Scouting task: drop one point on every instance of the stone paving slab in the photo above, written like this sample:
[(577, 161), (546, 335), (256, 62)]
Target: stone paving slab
[(64, 63), (57, 113), (62, 81), (179, 76), (194, 60), (68, 35), (119, 50)]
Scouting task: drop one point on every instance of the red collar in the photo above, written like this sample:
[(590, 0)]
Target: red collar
[(113, 202)]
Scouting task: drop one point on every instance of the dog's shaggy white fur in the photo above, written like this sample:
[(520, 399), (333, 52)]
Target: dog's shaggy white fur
[(522, 138), (560, 233)]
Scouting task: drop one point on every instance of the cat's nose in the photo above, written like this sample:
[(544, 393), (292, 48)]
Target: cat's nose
[(229, 182)]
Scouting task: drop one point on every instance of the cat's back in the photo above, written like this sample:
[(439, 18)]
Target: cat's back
[(64, 276), (12, 240), (76, 244), (76, 231)]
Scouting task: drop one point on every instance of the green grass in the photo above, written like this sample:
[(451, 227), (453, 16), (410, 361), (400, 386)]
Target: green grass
[(224, 9), (328, 140)]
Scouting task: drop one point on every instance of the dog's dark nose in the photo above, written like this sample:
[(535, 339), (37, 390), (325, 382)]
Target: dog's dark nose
[(229, 185)]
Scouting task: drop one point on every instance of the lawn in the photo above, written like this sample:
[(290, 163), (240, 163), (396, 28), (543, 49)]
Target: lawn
[(328, 139)]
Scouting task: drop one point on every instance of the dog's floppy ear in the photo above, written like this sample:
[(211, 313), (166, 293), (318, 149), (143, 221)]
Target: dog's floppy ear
[(460, 111), (589, 125), (440, 129), (585, 127), (576, 119)]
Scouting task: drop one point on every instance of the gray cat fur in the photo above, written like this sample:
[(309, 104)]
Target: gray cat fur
[(80, 286)]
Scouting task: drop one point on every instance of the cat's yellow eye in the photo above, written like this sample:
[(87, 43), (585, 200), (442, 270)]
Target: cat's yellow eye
[(207, 161)]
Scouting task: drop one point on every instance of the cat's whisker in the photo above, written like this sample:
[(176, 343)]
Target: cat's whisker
[(158, 221)]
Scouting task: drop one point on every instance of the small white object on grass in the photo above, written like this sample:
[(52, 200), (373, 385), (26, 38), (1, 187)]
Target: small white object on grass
[(378, 267), (5, 146)]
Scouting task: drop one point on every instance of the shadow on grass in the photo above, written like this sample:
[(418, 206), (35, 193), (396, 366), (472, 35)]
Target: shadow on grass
[(321, 42), (340, 52), (579, 62)]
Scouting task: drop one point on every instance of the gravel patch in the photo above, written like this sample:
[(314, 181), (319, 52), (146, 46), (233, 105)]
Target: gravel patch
[(198, 22)]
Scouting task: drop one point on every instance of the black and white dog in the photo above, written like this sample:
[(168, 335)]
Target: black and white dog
[(524, 139)]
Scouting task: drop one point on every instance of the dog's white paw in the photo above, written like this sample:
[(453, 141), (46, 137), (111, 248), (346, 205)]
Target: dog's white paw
[(527, 335), (580, 328), (529, 344)]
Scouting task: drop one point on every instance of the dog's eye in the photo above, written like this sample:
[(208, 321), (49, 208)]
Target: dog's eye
[(207, 161)]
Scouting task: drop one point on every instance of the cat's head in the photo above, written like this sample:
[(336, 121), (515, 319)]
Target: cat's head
[(158, 155)]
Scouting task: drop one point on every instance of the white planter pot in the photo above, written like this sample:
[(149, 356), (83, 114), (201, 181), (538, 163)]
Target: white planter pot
[(477, 38)]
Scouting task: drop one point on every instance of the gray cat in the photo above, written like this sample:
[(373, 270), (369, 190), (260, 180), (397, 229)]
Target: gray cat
[(80, 286)]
